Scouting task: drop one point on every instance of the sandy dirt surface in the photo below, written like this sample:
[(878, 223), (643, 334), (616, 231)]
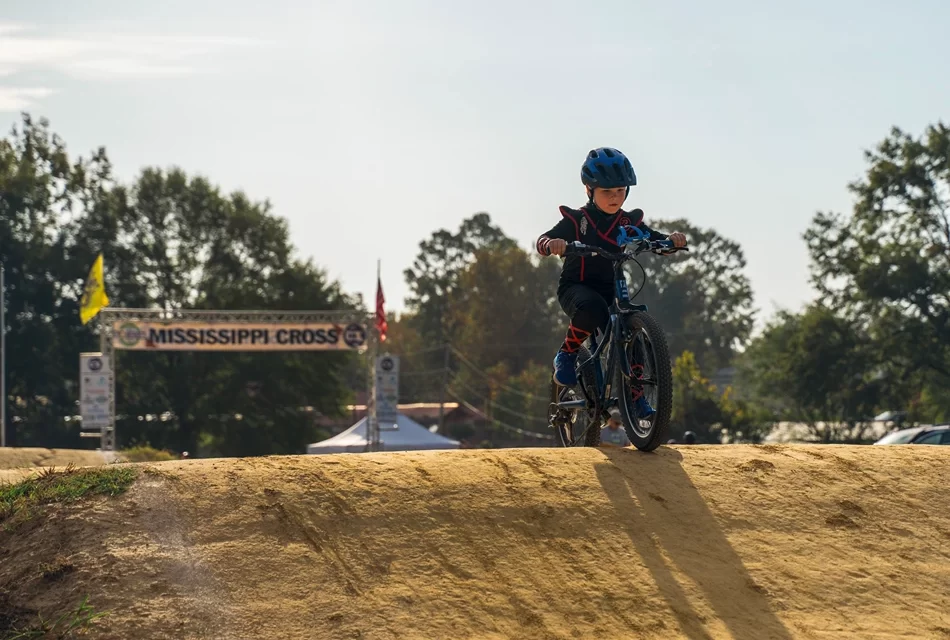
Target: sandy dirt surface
[(689, 542), (18, 463)]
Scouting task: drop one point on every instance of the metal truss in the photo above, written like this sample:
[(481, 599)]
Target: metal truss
[(110, 315)]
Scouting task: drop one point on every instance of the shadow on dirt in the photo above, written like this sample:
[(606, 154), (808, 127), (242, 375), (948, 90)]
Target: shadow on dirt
[(654, 496)]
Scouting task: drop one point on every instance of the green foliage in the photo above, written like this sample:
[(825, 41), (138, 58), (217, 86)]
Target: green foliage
[(170, 241), (40, 192), (505, 310), (879, 339), (695, 401), (887, 265), (434, 275), (520, 400), (703, 298), (20, 500), (742, 420), (421, 362), (497, 305), (70, 624), (713, 414), (145, 453), (817, 367), (932, 404)]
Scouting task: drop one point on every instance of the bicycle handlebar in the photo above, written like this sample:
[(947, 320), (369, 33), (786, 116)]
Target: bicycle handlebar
[(642, 245)]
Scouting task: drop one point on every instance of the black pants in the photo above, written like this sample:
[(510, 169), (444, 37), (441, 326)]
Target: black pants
[(588, 309)]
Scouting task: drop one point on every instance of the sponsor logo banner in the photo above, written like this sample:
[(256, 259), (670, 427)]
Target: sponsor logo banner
[(236, 336)]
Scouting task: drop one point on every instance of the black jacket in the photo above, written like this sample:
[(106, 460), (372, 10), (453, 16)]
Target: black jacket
[(592, 226)]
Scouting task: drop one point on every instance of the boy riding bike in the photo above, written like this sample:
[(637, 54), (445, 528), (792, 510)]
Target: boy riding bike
[(586, 287)]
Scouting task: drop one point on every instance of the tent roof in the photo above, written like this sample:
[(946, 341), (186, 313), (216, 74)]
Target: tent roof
[(409, 436)]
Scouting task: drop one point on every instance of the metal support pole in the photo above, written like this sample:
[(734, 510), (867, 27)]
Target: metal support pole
[(3, 359), (445, 382), (108, 441), (372, 415), (370, 397)]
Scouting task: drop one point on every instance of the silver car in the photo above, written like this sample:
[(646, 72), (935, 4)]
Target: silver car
[(935, 434)]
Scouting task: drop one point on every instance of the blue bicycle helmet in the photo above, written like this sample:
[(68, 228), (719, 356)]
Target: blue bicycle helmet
[(608, 169)]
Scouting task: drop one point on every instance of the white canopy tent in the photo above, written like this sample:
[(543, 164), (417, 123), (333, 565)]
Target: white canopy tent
[(409, 436)]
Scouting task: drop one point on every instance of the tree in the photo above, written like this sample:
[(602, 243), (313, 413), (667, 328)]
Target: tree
[(505, 309), (521, 402), (932, 404), (702, 298), (695, 402), (422, 371), (508, 326), (434, 274), (192, 247), (886, 266), (170, 242), (743, 420), (819, 369), (40, 190)]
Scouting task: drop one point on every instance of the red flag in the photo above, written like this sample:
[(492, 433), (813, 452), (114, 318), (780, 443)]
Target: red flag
[(381, 324)]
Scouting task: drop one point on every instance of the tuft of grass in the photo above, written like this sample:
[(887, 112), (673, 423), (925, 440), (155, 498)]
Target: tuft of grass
[(69, 625), (160, 473), (19, 501), (146, 454)]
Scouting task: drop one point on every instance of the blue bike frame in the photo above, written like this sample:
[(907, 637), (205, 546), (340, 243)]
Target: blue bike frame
[(617, 357)]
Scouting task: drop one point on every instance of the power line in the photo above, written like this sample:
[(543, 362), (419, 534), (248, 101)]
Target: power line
[(475, 410), (418, 351), (496, 405), (474, 367), (422, 373)]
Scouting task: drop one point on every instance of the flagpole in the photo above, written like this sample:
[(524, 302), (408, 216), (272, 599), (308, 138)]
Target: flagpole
[(373, 423)]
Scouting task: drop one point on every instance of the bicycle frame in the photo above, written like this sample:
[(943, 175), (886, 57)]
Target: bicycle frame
[(599, 398), (597, 401)]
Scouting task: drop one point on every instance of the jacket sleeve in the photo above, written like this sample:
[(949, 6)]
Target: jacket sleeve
[(563, 230)]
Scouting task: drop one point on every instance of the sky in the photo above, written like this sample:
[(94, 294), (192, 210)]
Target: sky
[(368, 125)]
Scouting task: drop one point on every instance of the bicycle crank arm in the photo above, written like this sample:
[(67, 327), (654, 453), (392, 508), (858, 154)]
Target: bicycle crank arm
[(572, 404)]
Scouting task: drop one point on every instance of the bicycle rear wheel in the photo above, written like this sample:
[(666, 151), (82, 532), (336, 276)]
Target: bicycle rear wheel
[(650, 374), (568, 425)]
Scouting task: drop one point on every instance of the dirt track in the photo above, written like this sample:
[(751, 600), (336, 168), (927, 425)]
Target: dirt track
[(695, 542), (17, 463)]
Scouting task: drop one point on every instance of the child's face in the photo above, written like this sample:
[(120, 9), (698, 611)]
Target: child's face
[(610, 200)]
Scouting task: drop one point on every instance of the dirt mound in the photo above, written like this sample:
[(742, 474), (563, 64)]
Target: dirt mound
[(695, 542), (19, 462)]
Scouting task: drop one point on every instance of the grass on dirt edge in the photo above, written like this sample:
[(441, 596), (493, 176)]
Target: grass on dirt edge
[(19, 501), (69, 625)]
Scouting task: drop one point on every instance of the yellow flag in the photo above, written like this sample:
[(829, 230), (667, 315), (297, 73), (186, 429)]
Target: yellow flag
[(94, 296)]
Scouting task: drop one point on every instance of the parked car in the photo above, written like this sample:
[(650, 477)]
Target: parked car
[(933, 434)]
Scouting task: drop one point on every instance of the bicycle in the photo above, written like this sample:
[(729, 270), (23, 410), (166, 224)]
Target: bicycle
[(632, 342)]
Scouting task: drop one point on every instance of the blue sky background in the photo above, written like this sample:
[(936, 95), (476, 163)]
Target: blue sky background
[(369, 125)]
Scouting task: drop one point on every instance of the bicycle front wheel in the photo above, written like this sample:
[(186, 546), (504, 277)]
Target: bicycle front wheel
[(650, 374)]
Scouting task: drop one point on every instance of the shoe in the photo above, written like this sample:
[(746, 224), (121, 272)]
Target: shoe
[(643, 408), (564, 373)]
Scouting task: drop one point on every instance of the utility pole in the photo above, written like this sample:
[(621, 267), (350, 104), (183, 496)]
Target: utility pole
[(445, 382)]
